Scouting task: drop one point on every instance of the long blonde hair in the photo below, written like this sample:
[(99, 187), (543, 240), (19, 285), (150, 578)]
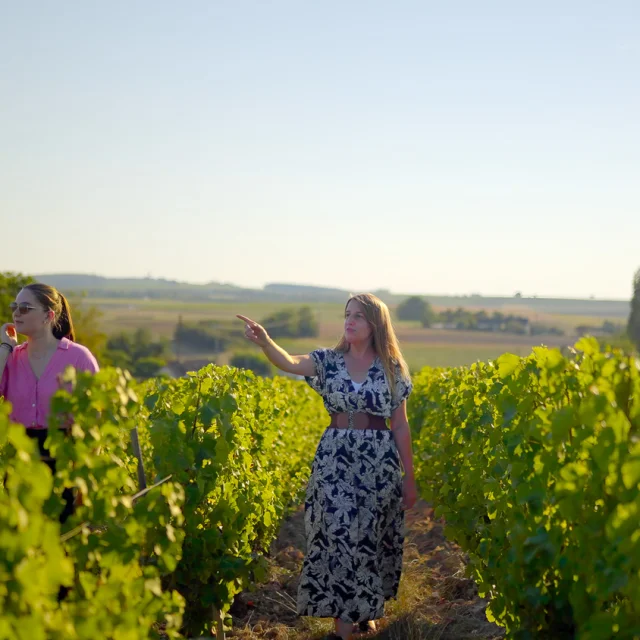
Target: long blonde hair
[(385, 341)]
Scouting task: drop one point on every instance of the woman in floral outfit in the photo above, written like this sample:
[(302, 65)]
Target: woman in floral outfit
[(357, 492)]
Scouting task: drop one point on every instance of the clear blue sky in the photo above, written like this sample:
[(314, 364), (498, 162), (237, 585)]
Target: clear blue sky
[(422, 146)]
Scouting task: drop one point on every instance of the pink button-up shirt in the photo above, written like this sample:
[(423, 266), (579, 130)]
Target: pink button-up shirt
[(29, 396)]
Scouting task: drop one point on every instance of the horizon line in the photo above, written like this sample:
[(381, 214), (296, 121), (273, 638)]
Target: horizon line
[(474, 294)]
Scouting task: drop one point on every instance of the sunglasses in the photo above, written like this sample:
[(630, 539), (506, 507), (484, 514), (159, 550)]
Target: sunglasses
[(23, 308)]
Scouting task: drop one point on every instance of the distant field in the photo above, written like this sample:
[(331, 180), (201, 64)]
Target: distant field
[(161, 316), (434, 347), (416, 355)]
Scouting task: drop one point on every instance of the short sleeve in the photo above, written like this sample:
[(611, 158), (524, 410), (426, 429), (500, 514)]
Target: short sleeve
[(87, 362), (403, 389), (317, 382)]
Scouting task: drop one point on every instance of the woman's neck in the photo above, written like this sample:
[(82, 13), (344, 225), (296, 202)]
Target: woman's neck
[(42, 343), (362, 351)]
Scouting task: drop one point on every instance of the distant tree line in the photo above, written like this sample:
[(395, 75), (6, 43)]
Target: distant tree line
[(607, 328), (418, 309), (137, 352), (212, 336), (217, 336), (292, 323)]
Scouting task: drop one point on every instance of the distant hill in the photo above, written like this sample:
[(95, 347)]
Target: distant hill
[(100, 287), (78, 281), (306, 292)]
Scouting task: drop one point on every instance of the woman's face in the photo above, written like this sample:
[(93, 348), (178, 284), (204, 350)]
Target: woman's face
[(30, 318), (356, 327)]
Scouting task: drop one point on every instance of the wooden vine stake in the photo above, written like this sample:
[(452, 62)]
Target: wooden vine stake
[(135, 443), (217, 616)]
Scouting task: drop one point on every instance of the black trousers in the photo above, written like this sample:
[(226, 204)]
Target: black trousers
[(67, 494)]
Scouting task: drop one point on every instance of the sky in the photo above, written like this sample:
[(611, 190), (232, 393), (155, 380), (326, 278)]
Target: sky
[(417, 146)]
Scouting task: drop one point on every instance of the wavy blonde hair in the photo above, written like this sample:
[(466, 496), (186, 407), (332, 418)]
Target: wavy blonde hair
[(384, 337)]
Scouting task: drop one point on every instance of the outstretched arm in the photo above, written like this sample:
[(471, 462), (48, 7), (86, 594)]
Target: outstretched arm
[(299, 365)]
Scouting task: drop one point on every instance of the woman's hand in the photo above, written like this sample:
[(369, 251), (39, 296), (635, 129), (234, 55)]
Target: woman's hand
[(255, 332), (409, 492), (8, 334)]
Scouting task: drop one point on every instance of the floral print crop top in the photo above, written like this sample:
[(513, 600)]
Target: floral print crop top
[(333, 383)]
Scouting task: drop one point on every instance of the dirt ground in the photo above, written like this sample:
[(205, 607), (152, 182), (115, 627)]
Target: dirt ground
[(435, 601)]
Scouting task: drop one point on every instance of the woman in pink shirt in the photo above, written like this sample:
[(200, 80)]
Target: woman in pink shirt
[(30, 371)]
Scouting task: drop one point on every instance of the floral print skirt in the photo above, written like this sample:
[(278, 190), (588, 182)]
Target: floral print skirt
[(354, 526)]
